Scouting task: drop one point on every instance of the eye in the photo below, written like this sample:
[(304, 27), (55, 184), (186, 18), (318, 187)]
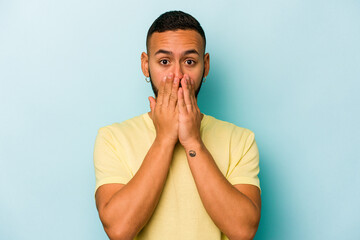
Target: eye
[(190, 62), (164, 61)]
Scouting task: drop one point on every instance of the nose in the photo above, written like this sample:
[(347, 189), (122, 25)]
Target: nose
[(178, 71)]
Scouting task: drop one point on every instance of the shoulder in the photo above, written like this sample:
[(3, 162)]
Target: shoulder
[(129, 126), (234, 130)]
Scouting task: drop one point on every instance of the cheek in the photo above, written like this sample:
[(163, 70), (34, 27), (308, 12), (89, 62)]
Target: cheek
[(197, 77), (197, 72), (156, 74), (156, 68)]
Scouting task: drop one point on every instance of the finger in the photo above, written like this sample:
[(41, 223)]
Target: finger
[(196, 107), (160, 95), (181, 103), (174, 93), (192, 92), (176, 111), (186, 90), (167, 89), (152, 103), (194, 97), (190, 84)]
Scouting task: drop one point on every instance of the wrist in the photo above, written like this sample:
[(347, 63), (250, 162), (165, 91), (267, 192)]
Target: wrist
[(193, 144), (165, 142)]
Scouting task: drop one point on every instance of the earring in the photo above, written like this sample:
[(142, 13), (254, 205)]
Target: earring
[(147, 79), (204, 79)]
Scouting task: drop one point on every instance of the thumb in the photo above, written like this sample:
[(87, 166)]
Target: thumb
[(152, 103)]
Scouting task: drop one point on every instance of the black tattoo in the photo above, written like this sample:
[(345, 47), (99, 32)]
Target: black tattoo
[(192, 153)]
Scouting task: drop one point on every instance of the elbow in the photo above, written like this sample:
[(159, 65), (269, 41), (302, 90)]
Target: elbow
[(246, 234), (116, 233), (247, 231), (115, 229)]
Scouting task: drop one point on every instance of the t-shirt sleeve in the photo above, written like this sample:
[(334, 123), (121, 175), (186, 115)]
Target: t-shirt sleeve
[(109, 166), (244, 158)]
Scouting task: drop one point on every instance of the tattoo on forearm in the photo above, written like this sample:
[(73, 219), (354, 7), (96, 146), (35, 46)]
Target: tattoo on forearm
[(192, 153)]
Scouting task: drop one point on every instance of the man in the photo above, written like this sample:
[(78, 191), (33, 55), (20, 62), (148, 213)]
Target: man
[(174, 172)]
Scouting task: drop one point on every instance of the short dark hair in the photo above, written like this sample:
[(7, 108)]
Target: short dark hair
[(172, 21)]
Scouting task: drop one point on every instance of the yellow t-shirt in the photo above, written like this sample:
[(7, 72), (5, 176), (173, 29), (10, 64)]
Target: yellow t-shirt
[(121, 147)]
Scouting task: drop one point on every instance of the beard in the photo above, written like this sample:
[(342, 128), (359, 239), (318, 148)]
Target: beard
[(155, 90)]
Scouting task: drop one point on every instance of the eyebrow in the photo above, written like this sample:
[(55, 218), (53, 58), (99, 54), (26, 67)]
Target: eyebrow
[(171, 53)]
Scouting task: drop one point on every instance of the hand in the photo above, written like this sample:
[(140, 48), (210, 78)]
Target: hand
[(164, 110), (189, 113)]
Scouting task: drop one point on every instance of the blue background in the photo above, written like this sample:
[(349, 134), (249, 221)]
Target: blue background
[(287, 70)]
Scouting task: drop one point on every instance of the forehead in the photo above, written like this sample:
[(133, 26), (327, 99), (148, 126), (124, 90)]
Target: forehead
[(178, 40)]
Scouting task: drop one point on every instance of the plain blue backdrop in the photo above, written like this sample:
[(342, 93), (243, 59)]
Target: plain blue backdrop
[(287, 70)]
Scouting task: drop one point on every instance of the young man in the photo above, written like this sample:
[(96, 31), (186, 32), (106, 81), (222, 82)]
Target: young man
[(174, 172)]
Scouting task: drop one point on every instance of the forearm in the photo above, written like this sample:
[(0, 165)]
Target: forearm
[(130, 208), (233, 212)]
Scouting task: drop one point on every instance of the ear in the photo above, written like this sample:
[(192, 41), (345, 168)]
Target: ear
[(145, 64), (206, 64)]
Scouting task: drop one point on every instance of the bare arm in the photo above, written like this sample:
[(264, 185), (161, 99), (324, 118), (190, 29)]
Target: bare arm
[(234, 209), (125, 209)]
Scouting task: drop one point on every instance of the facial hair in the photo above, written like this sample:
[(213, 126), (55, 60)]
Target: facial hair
[(155, 90)]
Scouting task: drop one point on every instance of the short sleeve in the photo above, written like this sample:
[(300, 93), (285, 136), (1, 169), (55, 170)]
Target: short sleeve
[(244, 159), (109, 166)]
